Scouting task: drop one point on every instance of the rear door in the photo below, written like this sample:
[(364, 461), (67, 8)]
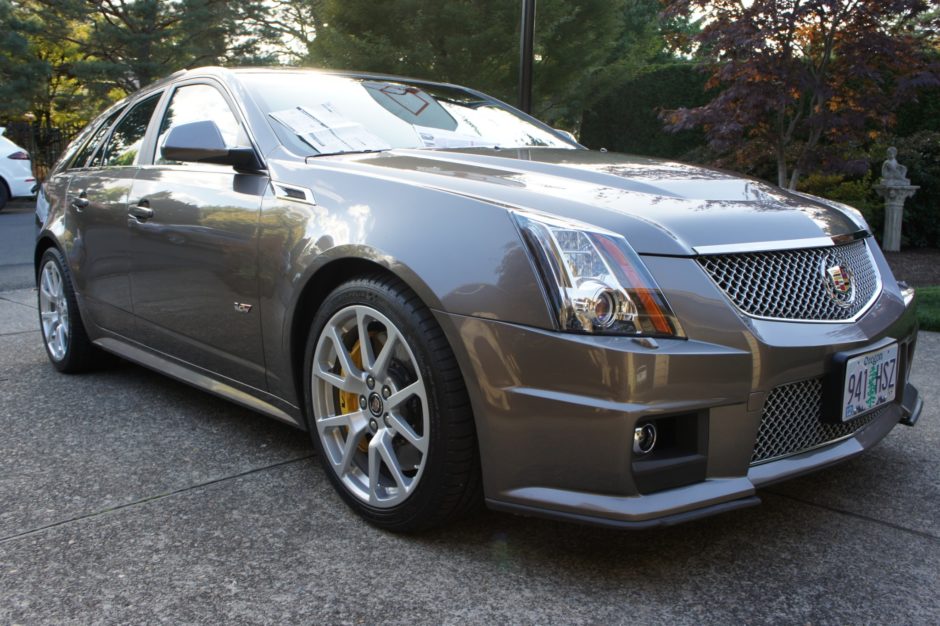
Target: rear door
[(55, 188), (97, 197), (194, 251)]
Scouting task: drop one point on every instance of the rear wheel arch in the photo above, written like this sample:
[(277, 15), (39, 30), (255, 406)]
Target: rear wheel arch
[(45, 242)]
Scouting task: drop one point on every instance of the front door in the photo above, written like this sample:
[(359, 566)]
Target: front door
[(194, 249)]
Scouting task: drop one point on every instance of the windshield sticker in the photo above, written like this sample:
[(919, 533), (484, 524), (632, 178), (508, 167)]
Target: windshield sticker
[(328, 132), (410, 104)]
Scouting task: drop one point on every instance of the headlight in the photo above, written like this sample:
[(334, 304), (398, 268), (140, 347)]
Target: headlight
[(594, 280)]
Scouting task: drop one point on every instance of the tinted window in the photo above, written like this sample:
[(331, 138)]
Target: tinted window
[(90, 146), (198, 103), (125, 141)]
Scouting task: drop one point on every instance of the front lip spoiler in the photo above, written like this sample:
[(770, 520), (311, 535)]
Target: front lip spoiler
[(720, 494), (604, 522)]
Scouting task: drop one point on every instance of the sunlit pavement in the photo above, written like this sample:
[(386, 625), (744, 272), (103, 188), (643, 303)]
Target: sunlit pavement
[(129, 498)]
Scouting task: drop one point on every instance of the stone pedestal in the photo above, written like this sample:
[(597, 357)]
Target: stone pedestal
[(895, 196)]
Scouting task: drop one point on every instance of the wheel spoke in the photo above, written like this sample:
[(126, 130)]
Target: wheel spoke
[(335, 421), (382, 360), (56, 284), (356, 429), (45, 285), (365, 342), (414, 389), (343, 383), (375, 464), (404, 429), (391, 460), (59, 341), (345, 359)]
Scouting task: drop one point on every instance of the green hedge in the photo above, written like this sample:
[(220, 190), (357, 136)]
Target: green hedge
[(627, 120), (928, 308)]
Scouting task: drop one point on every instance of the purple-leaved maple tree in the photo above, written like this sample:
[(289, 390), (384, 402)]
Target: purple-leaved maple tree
[(792, 77)]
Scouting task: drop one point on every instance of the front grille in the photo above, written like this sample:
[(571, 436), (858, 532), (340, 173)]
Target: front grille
[(792, 284), (791, 422)]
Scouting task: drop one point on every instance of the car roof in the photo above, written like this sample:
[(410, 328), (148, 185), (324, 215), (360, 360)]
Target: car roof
[(225, 73)]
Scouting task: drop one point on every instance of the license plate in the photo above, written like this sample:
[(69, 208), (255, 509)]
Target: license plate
[(870, 381)]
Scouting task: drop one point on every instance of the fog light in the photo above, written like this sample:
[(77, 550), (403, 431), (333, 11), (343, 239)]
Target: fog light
[(644, 439)]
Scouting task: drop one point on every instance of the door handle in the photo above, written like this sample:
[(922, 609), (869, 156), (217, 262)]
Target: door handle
[(141, 211), (81, 202)]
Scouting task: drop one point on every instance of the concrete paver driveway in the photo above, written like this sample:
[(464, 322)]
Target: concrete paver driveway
[(126, 497)]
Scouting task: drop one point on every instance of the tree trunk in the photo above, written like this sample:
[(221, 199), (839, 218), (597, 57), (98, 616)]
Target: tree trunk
[(781, 166), (794, 178)]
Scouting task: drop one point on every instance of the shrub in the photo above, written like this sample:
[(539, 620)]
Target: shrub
[(627, 120), (857, 193)]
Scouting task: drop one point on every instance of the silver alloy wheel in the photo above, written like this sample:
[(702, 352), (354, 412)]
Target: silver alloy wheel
[(54, 310), (370, 406)]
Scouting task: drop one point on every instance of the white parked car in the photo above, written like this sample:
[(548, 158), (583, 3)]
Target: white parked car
[(16, 171)]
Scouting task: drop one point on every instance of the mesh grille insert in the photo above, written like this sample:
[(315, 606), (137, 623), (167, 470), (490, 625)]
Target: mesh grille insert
[(790, 422), (792, 284)]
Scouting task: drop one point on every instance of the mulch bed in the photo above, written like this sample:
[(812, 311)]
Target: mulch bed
[(920, 267)]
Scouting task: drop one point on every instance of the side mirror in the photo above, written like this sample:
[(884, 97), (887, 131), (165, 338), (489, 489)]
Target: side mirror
[(202, 142)]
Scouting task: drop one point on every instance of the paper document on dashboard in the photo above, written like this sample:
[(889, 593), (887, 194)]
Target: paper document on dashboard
[(327, 131)]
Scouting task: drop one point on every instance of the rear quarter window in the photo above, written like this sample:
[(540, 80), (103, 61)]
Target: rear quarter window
[(88, 143)]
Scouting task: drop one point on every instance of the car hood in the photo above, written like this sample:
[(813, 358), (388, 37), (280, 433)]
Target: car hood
[(662, 207)]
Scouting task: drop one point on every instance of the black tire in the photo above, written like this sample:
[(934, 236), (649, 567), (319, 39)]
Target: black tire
[(4, 195), (450, 486), (80, 354)]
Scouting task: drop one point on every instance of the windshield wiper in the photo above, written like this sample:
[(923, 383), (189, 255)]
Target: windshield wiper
[(369, 151)]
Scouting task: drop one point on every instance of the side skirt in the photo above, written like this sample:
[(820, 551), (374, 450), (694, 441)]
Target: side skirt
[(186, 375)]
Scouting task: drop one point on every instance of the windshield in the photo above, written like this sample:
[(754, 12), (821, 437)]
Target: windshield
[(317, 114)]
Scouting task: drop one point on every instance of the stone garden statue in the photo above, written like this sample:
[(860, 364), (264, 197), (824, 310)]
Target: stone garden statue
[(895, 188), (892, 172)]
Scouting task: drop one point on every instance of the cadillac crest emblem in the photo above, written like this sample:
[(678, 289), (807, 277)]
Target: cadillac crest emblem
[(840, 283)]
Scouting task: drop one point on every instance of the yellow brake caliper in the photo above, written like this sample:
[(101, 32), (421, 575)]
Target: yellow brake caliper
[(349, 401)]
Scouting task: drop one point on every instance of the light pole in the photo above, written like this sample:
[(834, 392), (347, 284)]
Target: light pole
[(525, 55)]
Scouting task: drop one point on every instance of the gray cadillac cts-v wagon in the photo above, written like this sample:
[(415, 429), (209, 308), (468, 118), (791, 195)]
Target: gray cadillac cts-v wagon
[(462, 304)]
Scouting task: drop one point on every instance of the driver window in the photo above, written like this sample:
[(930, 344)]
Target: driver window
[(197, 103)]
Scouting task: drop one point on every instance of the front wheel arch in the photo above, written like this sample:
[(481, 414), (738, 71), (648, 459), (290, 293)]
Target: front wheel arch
[(316, 289)]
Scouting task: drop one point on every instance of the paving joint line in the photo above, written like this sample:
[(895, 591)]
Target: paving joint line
[(149, 499), (846, 512), (28, 306), (19, 332)]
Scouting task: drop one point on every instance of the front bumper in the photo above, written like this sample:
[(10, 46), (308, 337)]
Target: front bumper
[(556, 412)]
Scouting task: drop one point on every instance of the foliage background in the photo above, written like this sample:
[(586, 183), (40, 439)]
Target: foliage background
[(655, 77)]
